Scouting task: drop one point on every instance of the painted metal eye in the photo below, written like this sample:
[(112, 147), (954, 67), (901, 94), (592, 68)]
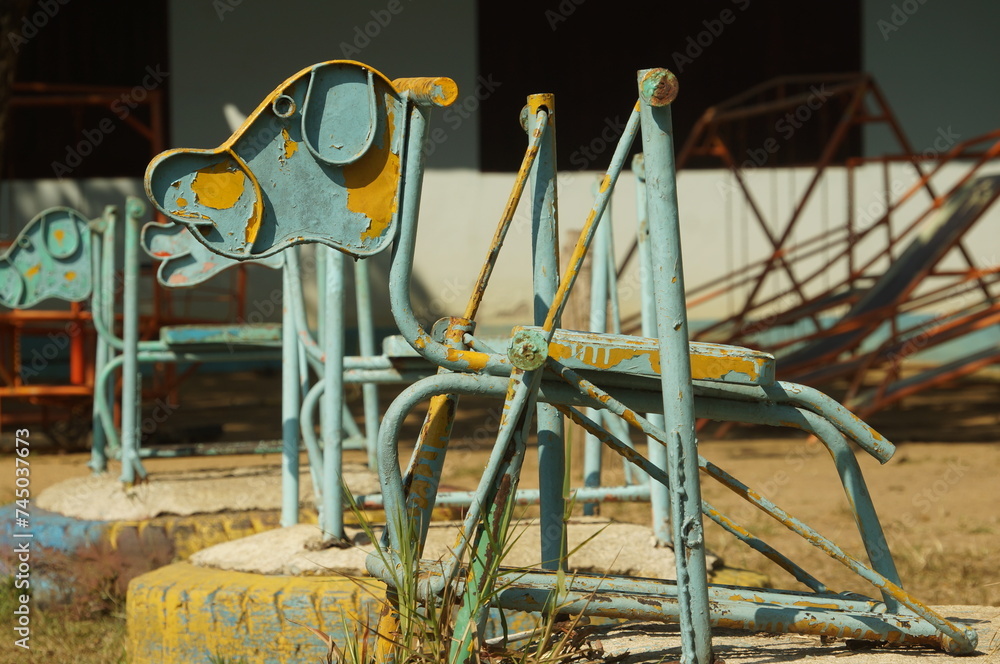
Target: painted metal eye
[(283, 106)]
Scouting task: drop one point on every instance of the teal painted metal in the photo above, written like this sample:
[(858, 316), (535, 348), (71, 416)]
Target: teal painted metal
[(682, 384), (291, 395), (49, 258), (183, 260), (331, 405), (657, 89), (599, 295), (659, 496), (366, 343), (545, 261), (310, 145), (131, 379), (260, 334)]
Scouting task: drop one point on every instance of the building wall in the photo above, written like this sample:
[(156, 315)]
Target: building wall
[(930, 59), (934, 61)]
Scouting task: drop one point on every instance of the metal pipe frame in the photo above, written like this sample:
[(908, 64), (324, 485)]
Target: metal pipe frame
[(502, 468), (882, 573)]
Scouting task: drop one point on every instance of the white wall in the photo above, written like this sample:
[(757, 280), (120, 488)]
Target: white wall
[(460, 209)]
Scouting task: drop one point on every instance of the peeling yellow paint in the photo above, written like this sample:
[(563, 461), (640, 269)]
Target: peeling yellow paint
[(218, 186), (181, 201), (188, 215), (372, 181), (70, 276), (703, 366), (291, 147), (707, 367), (603, 357), (59, 235), (33, 270)]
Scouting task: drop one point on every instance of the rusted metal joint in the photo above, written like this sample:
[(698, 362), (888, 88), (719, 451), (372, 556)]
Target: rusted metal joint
[(658, 87), (451, 330), (528, 350)]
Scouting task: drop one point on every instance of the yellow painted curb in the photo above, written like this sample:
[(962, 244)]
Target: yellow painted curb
[(183, 536), (186, 614)]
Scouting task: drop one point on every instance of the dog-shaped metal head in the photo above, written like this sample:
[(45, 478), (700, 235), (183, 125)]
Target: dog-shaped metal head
[(50, 258), (317, 161)]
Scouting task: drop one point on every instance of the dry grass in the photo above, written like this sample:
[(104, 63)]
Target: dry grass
[(59, 635)]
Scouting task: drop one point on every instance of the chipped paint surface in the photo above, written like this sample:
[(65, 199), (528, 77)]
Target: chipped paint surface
[(187, 214), (708, 367), (372, 182), (180, 612), (641, 357), (218, 186), (440, 91), (291, 147)]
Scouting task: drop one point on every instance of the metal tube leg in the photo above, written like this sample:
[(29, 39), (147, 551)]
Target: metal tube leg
[(366, 343), (98, 458), (592, 447), (490, 512), (545, 261), (332, 517), (290, 393), (657, 88), (659, 496), (131, 380)]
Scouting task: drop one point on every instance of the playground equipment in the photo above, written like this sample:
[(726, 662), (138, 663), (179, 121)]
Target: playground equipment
[(50, 258), (186, 263), (356, 187)]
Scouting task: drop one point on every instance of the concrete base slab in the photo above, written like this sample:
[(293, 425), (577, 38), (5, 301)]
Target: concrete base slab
[(133, 530), (642, 643), (183, 493), (599, 546)]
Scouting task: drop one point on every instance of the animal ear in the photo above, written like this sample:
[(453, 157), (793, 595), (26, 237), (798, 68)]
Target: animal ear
[(61, 232), (11, 284), (339, 118), (166, 243)]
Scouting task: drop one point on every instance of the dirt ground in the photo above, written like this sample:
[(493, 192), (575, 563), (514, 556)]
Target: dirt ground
[(938, 498)]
